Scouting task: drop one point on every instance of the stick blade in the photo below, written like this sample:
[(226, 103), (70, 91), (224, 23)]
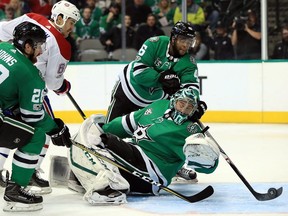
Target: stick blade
[(271, 194), (207, 192)]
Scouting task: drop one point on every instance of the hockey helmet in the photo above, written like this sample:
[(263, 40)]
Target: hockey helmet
[(67, 9), (184, 31), (186, 107), (28, 32)]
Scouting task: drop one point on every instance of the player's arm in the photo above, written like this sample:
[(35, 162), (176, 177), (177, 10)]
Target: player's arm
[(143, 72), (124, 126), (7, 28)]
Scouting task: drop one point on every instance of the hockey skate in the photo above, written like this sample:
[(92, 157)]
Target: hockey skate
[(185, 175), (19, 200), (107, 196), (38, 185)]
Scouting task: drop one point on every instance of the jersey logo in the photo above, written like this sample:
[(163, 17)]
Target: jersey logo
[(192, 128), (148, 111), (141, 133), (154, 39)]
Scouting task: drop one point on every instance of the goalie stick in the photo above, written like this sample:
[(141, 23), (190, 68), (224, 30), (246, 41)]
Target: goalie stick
[(208, 191), (76, 105), (272, 192)]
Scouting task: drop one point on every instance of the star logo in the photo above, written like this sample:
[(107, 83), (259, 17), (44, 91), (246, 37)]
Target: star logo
[(141, 133)]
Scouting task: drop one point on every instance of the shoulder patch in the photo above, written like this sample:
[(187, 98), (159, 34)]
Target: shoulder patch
[(192, 128), (192, 59), (153, 39)]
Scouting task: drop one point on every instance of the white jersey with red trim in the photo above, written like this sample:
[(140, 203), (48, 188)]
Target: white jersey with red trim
[(53, 61)]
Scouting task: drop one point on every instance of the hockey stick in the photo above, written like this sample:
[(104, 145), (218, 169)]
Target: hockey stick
[(208, 191), (272, 192), (76, 105)]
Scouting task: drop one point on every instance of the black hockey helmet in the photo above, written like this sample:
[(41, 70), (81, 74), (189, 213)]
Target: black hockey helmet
[(183, 29), (28, 32)]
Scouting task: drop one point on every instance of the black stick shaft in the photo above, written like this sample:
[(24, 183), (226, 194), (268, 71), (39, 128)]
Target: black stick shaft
[(76, 105), (272, 192)]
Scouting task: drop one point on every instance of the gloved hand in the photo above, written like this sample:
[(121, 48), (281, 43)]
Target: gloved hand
[(61, 135), (66, 86), (202, 107), (170, 82)]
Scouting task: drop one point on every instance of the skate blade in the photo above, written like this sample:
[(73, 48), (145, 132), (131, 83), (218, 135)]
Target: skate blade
[(39, 190), (21, 207), (179, 180)]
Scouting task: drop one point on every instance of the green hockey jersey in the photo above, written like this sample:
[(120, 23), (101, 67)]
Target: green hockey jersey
[(157, 135), (21, 84), (139, 79)]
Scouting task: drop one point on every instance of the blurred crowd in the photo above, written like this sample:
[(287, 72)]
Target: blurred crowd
[(219, 37)]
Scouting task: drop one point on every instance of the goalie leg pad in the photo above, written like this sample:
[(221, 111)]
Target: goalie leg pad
[(201, 153), (96, 175)]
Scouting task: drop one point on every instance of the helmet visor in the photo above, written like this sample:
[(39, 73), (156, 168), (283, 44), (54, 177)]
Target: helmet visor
[(188, 41), (185, 106)]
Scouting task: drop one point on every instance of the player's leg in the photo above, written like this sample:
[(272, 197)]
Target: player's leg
[(37, 184), (29, 144), (120, 104)]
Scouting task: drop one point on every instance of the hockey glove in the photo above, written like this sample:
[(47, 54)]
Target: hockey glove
[(170, 82), (61, 135), (66, 86), (202, 107)]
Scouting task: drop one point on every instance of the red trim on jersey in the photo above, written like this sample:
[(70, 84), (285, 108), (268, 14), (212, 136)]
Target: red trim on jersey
[(63, 44)]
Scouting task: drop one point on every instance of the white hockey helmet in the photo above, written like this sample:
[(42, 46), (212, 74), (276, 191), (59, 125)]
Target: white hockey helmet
[(67, 9)]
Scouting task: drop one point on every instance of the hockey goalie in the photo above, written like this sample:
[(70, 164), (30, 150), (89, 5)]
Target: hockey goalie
[(154, 141)]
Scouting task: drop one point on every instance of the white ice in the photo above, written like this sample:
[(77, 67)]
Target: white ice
[(259, 151)]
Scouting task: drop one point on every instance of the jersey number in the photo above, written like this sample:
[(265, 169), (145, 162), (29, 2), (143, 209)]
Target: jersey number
[(142, 50), (4, 73), (38, 96)]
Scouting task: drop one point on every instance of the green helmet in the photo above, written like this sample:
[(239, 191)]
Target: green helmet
[(186, 95)]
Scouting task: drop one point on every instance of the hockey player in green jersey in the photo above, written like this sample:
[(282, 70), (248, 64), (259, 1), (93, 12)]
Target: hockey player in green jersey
[(162, 66), (22, 91), (162, 137)]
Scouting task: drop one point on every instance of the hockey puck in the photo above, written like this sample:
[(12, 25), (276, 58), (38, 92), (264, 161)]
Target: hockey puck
[(272, 192)]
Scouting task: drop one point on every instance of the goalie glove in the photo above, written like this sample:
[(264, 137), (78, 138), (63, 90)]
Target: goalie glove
[(170, 82), (61, 135), (201, 153), (201, 109)]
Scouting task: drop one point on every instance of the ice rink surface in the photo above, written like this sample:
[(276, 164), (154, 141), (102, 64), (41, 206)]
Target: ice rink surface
[(259, 151)]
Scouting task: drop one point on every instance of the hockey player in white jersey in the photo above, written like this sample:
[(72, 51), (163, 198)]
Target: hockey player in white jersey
[(52, 64)]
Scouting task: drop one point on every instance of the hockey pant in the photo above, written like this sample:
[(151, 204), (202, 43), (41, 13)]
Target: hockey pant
[(14, 113)]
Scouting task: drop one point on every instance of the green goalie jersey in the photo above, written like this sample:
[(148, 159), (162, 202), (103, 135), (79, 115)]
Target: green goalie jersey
[(21, 85), (158, 136), (140, 77)]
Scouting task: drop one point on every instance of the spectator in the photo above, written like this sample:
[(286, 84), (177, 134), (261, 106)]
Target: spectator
[(112, 40), (8, 14), (281, 48), (195, 13), (138, 12), (110, 18), (248, 33), (164, 13), (96, 11), (200, 51), (147, 30), (220, 42), (86, 28), (41, 7)]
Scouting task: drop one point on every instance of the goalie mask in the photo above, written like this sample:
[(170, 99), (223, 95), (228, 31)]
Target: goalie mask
[(183, 105)]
